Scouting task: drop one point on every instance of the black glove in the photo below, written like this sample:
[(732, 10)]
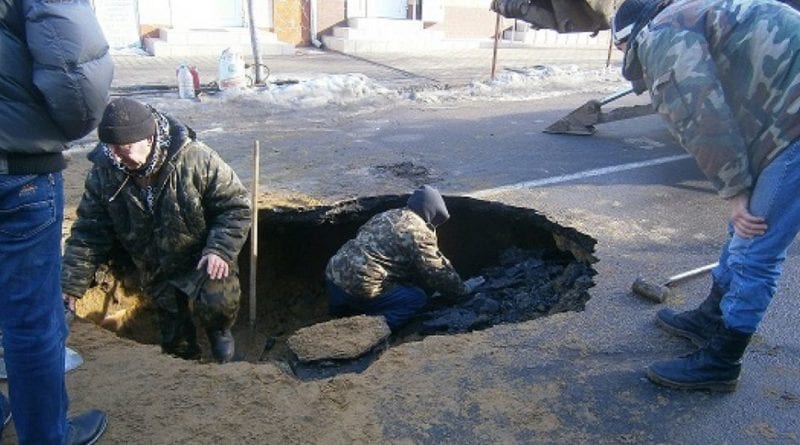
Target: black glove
[(474, 283)]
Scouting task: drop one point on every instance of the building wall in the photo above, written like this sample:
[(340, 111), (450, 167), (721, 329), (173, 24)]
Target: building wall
[(291, 21), (462, 18), (469, 21), (154, 14), (330, 13), (118, 19)]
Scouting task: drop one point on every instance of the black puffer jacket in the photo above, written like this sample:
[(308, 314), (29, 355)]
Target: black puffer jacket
[(55, 71), (199, 207)]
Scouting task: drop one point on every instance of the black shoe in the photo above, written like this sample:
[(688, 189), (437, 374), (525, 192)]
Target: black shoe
[(86, 428), (716, 367), (178, 335), (5, 413), (183, 350), (222, 344), (698, 325)]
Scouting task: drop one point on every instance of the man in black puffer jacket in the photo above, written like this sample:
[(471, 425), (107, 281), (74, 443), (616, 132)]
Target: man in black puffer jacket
[(180, 213), (55, 72)]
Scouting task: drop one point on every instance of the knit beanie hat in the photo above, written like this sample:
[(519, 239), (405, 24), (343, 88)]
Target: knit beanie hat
[(429, 204), (126, 121)]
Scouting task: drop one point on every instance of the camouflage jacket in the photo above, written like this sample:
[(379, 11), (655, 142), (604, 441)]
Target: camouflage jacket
[(726, 77), (199, 207), (393, 248)]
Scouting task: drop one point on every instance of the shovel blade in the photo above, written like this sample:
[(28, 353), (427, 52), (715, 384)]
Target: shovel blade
[(565, 126), (579, 122)]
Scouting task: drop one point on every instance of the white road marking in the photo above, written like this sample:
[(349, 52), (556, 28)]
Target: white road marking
[(579, 175)]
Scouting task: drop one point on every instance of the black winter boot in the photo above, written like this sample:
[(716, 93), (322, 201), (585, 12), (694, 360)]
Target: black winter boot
[(86, 428), (178, 335), (222, 344), (697, 325), (715, 367)]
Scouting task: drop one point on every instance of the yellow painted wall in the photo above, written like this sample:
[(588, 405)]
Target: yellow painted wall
[(291, 21)]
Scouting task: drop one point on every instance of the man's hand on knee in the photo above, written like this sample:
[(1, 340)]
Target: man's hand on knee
[(216, 267)]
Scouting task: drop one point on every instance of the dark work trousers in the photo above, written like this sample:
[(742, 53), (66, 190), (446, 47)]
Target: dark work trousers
[(397, 305)]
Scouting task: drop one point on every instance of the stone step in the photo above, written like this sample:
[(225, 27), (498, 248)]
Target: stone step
[(211, 42), (215, 36), (356, 46), (385, 25), (161, 48), (375, 35), (548, 37), (369, 34)]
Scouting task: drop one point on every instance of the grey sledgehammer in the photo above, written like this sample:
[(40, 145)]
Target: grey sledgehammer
[(658, 293)]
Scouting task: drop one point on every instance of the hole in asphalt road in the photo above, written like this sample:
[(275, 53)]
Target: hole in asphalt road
[(533, 268)]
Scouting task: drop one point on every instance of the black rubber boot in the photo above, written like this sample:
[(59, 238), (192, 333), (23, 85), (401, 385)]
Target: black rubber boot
[(86, 428), (222, 344), (5, 413), (698, 325), (178, 335), (715, 367)]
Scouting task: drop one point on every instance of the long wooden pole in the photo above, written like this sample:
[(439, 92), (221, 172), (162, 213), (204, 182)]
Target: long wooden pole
[(611, 39), (254, 237), (496, 38)]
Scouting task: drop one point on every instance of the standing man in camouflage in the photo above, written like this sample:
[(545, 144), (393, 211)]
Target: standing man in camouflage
[(180, 213), (392, 263), (725, 76)]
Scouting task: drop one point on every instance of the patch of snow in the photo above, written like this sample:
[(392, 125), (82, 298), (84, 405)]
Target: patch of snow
[(337, 89), (530, 83), (357, 92)]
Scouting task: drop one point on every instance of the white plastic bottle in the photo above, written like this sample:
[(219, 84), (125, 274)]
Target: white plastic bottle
[(185, 82)]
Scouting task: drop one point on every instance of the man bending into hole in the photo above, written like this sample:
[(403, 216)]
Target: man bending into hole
[(180, 213), (394, 256)]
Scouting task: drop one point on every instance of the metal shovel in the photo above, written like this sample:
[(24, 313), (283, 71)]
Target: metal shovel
[(658, 293), (584, 118)]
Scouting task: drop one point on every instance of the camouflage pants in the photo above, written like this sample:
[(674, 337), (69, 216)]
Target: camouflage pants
[(214, 302)]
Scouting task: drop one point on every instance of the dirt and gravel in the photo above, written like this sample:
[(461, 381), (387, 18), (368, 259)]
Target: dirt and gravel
[(154, 398)]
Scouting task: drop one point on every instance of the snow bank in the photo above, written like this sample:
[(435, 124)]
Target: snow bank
[(530, 83), (357, 91)]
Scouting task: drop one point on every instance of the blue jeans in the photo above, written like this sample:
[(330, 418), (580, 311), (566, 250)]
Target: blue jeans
[(397, 306), (31, 307), (749, 268)]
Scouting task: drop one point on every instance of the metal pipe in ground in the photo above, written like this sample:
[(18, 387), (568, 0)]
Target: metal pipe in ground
[(255, 43), (254, 236)]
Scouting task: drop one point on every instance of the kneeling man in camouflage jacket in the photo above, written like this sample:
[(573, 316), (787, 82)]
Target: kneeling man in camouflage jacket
[(178, 210), (391, 263)]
